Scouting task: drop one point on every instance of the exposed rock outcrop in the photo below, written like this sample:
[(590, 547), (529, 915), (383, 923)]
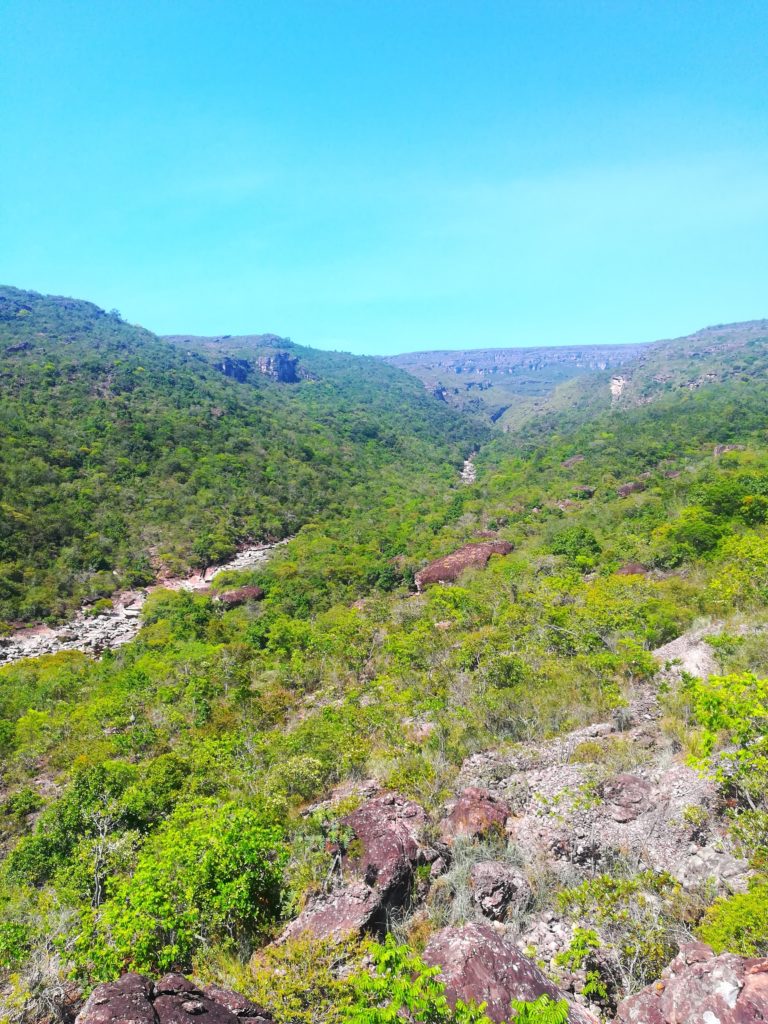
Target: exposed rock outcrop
[(281, 367), (449, 568), (174, 999), (632, 569), (241, 595), (701, 988), (378, 878), (633, 487), (475, 813), (496, 887), (477, 964)]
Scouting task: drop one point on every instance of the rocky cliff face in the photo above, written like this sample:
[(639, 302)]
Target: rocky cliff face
[(281, 366)]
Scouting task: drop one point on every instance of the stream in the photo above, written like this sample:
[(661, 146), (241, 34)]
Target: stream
[(96, 633)]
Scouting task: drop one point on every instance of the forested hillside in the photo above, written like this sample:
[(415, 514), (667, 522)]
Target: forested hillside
[(122, 454), (554, 761)]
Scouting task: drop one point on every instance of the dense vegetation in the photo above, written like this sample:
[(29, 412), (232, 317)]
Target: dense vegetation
[(121, 453), (159, 806)]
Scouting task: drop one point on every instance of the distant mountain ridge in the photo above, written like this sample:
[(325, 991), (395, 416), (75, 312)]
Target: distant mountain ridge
[(509, 386)]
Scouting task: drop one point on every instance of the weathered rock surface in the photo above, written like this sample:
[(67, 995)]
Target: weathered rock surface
[(475, 813), (477, 964), (634, 487), (495, 887), (174, 999), (241, 595), (388, 829), (627, 796), (701, 988), (448, 569), (281, 366)]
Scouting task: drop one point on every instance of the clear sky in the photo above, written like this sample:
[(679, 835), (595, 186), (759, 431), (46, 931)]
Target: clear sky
[(390, 175)]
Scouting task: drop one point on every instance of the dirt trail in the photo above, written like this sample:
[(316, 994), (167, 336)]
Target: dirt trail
[(96, 633)]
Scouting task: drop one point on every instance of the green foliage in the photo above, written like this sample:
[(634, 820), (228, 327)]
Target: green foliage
[(401, 987), (302, 981), (633, 918), (206, 875), (733, 711), (541, 1011), (117, 445), (738, 923), (578, 544), (158, 770)]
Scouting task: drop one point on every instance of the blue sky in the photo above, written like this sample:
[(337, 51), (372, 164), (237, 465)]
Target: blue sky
[(388, 176)]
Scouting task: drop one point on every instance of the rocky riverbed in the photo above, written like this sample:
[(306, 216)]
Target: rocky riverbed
[(94, 634)]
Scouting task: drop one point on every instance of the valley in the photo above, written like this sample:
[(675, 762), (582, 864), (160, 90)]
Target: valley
[(319, 687)]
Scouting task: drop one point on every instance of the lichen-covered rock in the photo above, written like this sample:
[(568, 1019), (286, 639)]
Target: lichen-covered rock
[(475, 813), (174, 999), (496, 886), (377, 880), (701, 988), (477, 964), (448, 569)]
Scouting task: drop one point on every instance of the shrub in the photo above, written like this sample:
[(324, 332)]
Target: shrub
[(204, 876), (738, 923)]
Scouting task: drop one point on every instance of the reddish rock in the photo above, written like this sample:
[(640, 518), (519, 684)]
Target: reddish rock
[(584, 491), (128, 999), (631, 488), (477, 964), (350, 910), (448, 569), (701, 988), (627, 797), (722, 449), (574, 459), (242, 595), (475, 813), (388, 829), (133, 999), (632, 569)]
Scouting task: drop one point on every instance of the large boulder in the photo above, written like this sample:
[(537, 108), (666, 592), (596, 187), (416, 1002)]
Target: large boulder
[(448, 569), (378, 879), (634, 487), (241, 595), (477, 964), (174, 999), (475, 813), (701, 988)]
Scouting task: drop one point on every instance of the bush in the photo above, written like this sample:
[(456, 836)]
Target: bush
[(739, 923), (401, 987), (204, 876)]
